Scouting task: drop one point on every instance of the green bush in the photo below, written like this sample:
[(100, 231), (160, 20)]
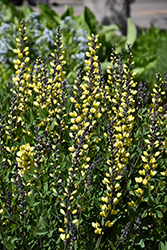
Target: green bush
[(81, 168)]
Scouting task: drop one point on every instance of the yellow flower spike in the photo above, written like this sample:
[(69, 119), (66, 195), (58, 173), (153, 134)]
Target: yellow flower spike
[(1, 211)]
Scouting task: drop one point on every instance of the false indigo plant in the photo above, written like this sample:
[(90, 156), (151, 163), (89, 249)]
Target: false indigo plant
[(81, 168)]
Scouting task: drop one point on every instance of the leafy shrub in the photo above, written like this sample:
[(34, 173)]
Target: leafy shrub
[(82, 168)]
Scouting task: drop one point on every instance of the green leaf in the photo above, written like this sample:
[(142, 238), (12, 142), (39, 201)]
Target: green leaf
[(139, 70), (159, 214), (31, 115), (46, 187), (151, 65), (41, 232), (105, 64), (111, 27), (161, 246), (68, 12), (91, 20), (49, 15), (141, 243), (13, 239), (131, 33), (13, 226)]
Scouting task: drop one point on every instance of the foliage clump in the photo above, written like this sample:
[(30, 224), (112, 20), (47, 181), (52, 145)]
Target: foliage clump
[(81, 168)]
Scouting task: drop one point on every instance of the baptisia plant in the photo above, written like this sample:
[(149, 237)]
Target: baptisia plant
[(81, 167)]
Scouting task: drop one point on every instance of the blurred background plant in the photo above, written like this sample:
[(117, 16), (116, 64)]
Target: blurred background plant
[(148, 47)]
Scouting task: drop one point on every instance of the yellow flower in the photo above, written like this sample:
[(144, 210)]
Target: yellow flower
[(114, 212), (115, 201), (139, 191), (75, 221), (62, 236), (142, 172), (117, 187), (144, 159), (145, 181), (152, 173), (73, 114), (152, 160), (145, 153), (138, 179), (98, 231), (104, 199), (72, 149), (1, 211), (118, 177), (103, 214), (95, 225), (85, 146), (131, 204), (61, 230), (119, 195), (109, 224), (74, 211), (62, 211)]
